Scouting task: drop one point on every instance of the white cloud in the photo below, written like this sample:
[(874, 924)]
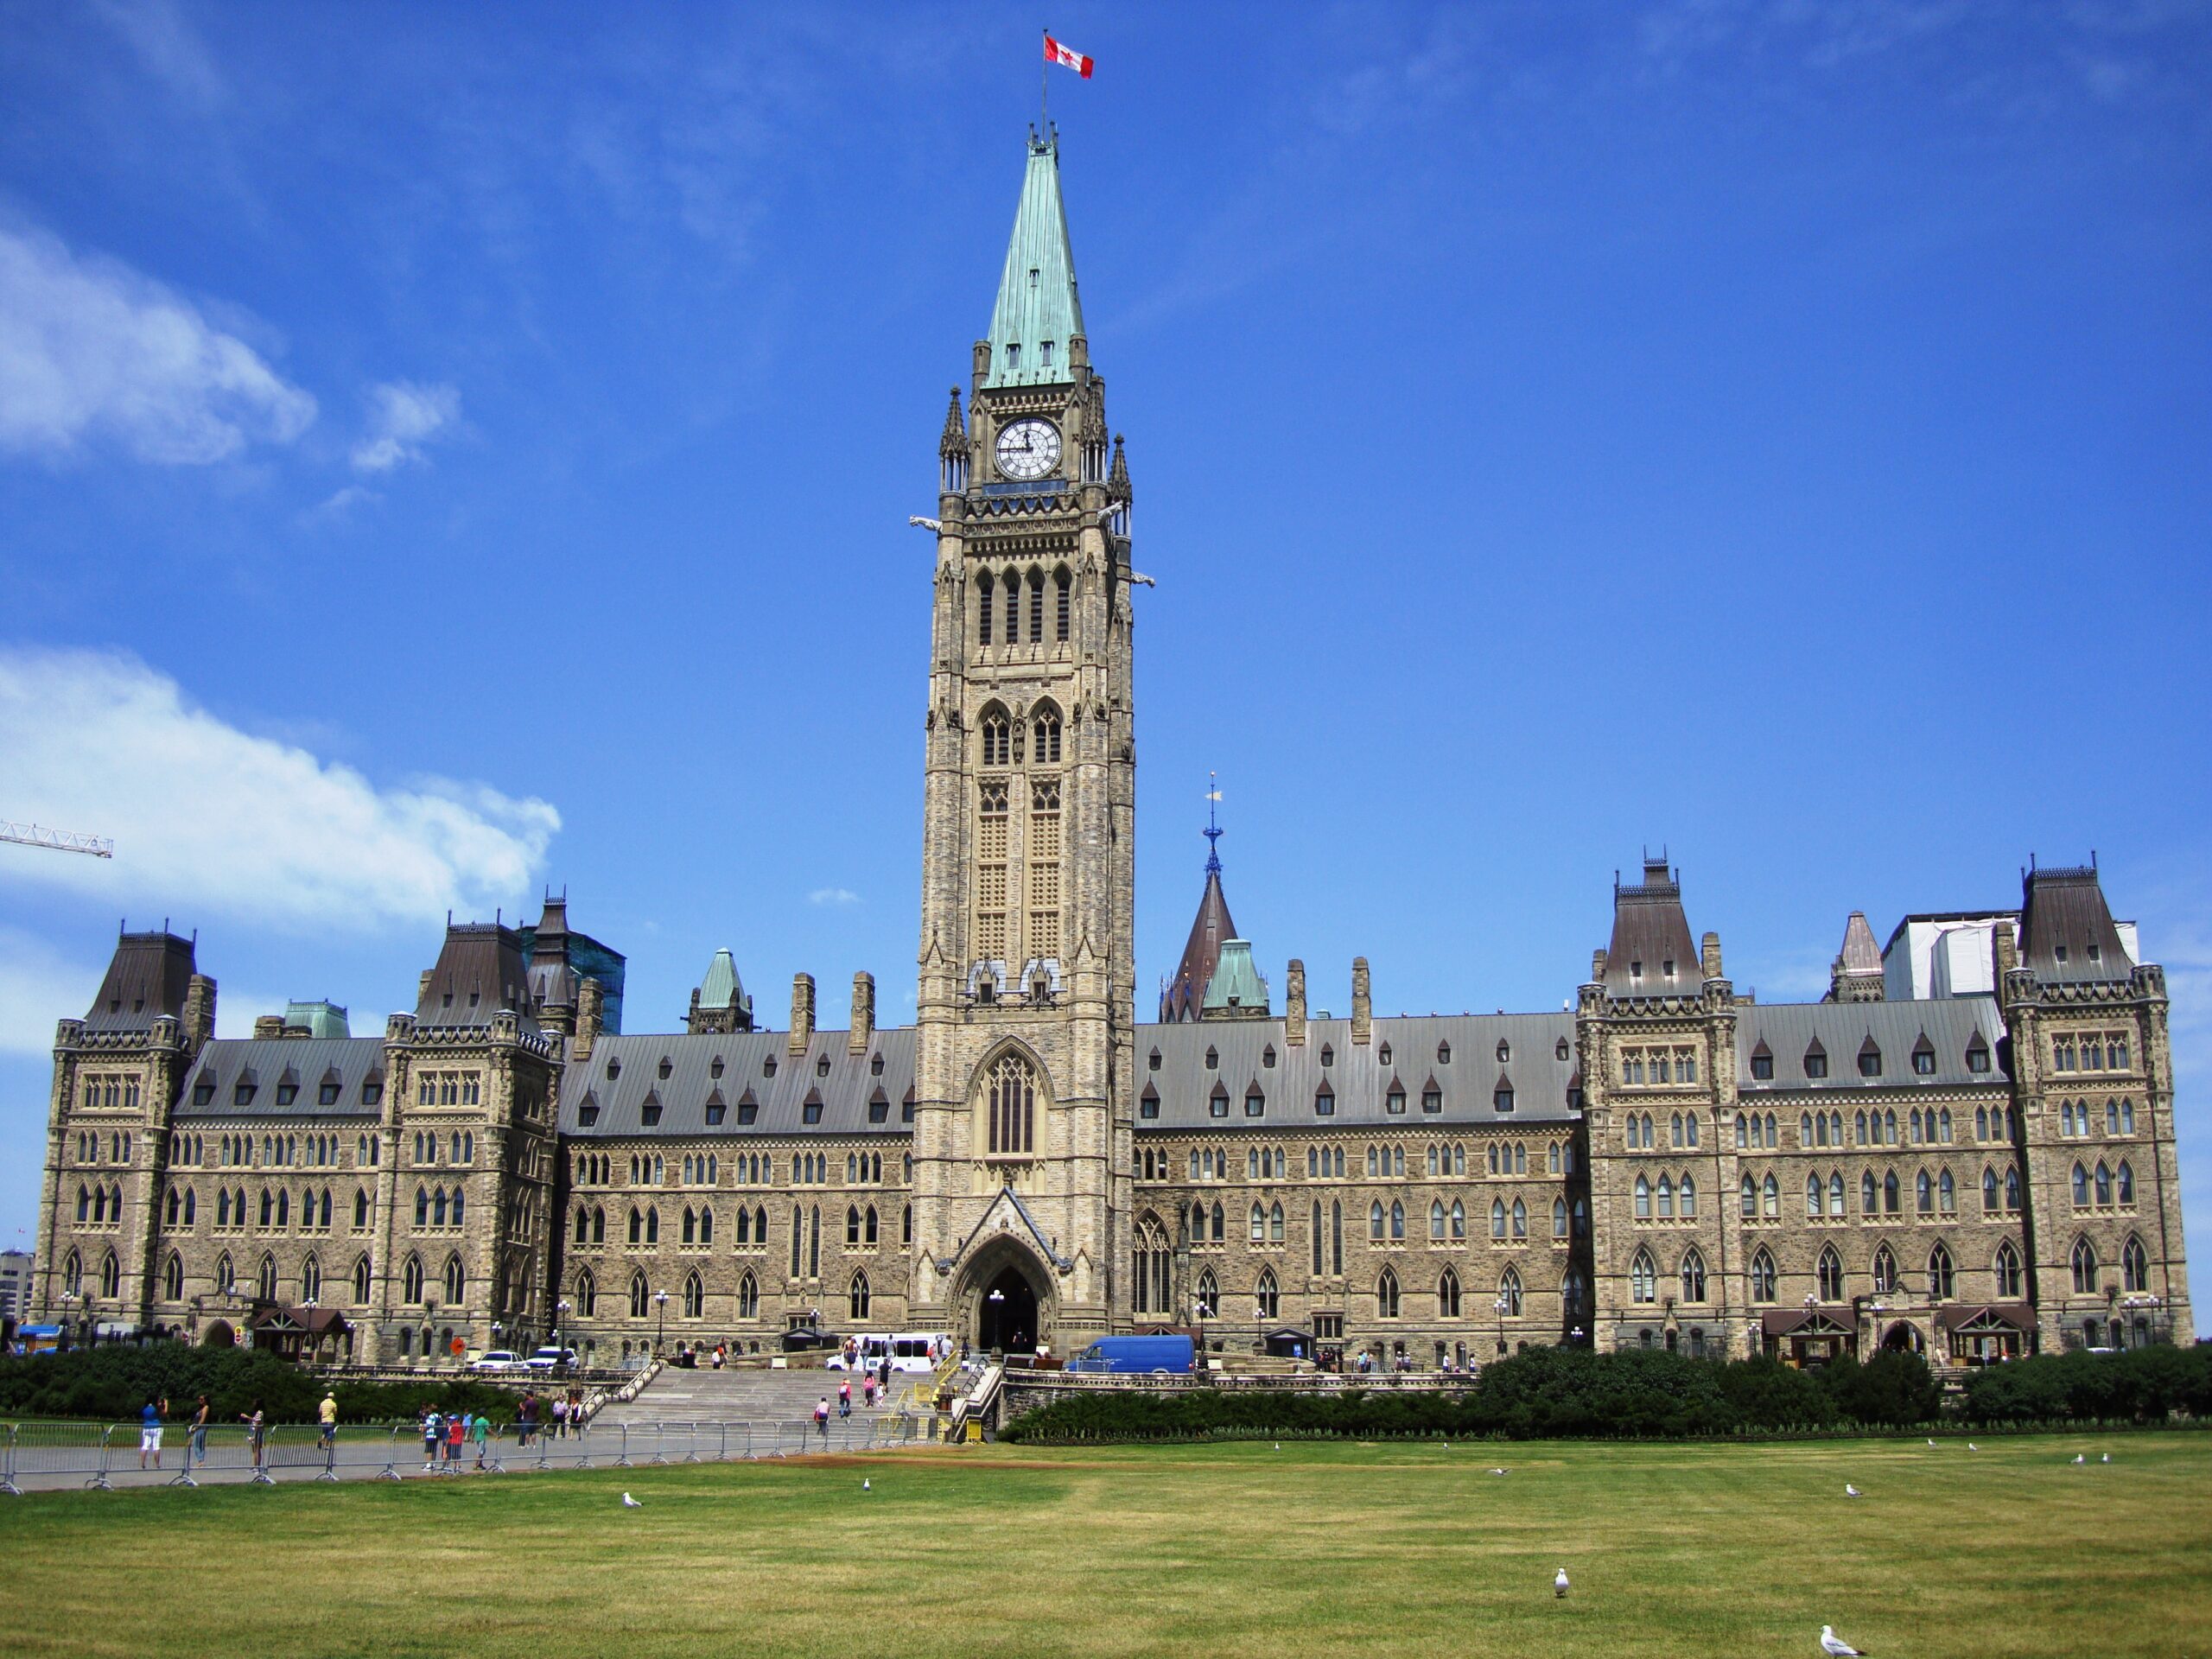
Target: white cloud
[(206, 816), (35, 982), (404, 415), (833, 896), (90, 350), (165, 47)]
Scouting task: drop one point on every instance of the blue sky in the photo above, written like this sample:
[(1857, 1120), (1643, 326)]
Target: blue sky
[(444, 451)]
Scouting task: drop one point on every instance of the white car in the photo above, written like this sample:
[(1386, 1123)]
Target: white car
[(498, 1360), (551, 1360)]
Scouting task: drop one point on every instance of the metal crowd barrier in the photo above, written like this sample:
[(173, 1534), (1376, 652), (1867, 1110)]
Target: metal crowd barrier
[(97, 1456)]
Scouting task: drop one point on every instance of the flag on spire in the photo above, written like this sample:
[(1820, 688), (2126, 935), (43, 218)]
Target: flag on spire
[(1067, 57)]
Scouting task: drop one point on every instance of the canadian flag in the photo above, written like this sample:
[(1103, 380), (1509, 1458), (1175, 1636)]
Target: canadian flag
[(1067, 57)]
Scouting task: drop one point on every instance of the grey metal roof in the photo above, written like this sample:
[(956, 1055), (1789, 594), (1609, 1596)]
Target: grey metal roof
[(147, 978), (1788, 1030), (480, 970), (844, 1091), (1650, 930), (1357, 1075), (270, 1062), (2065, 910)]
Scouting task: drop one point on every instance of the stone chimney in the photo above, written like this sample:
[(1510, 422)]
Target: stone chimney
[(1597, 967), (268, 1025), (423, 987), (2005, 955), (591, 1008), (802, 1013), (863, 1031), (1709, 952), (1294, 1005), (199, 1013), (1363, 1005)]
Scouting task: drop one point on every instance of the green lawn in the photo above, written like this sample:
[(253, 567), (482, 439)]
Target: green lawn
[(1227, 1550)]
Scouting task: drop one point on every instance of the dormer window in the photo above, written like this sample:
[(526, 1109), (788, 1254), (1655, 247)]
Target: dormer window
[(768, 1065), (1504, 1051), (1328, 1055), (203, 1094), (1978, 1056), (1033, 283), (1636, 970), (1667, 967), (1155, 1060), (649, 1114), (447, 1002), (589, 1115), (875, 1066), (1869, 1061), (1432, 1099), (1816, 1063), (2096, 951), (715, 1069), (1148, 1102), (1382, 1055), (1394, 1101), (1045, 354), (1325, 1102), (821, 1066), (666, 1067), (1268, 1056), (1213, 1060), (1217, 1103), (716, 1110), (1444, 1053), (1013, 350), (1559, 1050), (242, 1094), (614, 1068), (2061, 953), (1503, 1100), (1256, 1103)]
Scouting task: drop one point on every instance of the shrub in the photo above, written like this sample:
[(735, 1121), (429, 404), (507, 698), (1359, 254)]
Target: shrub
[(114, 1383)]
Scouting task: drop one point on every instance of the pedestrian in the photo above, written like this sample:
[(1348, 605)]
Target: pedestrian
[(525, 1421), (867, 1390), (821, 1418), (456, 1432), (845, 1398), (433, 1430), (198, 1452), (149, 1432), (329, 1414), (255, 1424), (480, 1430), (560, 1418)]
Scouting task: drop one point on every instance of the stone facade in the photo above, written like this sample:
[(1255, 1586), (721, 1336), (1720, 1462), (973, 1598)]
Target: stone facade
[(1666, 1162)]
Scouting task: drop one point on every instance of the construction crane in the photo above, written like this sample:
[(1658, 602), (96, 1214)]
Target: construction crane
[(62, 840)]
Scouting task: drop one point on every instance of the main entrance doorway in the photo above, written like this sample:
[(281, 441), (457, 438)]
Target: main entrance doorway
[(1006, 1314)]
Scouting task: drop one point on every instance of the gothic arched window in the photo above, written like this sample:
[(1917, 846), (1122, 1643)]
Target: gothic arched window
[(998, 739), (2007, 1270), (2084, 1264), (1643, 1278), (1940, 1277), (1386, 1295), (1447, 1295), (586, 1294), (1046, 732), (1509, 1294), (748, 1298), (1831, 1276), (1207, 1303), (1266, 1300), (1012, 1107), (1692, 1275), (1762, 1276)]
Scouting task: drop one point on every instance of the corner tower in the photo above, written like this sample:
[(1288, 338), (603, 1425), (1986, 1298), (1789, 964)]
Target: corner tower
[(1025, 1008)]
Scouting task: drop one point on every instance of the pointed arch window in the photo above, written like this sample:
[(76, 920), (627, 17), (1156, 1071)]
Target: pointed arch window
[(1692, 1275), (361, 1281), (1644, 1200), (1266, 1297), (639, 1296), (1497, 1217), (1447, 1295), (1208, 1303), (264, 1280), (1885, 1272), (2134, 1266), (456, 1282), (410, 1280), (1459, 1220), (1397, 1220), (1643, 1277), (1436, 1219), (1941, 1275), (1763, 1275), (1386, 1295), (173, 1278), (1509, 1294), (1011, 1107), (748, 1297), (2013, 1189), (1045, 733), (1890, 1193), (2081, 1187), (1831, 1274), (2084, 1264), (2005, 1270)]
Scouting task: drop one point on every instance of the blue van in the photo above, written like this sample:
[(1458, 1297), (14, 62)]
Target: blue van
[(1136, 1355)]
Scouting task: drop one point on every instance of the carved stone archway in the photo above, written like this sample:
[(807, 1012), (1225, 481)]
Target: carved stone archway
[(1006, 1265)]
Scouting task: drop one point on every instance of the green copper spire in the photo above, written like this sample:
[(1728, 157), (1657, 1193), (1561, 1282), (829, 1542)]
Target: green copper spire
[(1038, 313)]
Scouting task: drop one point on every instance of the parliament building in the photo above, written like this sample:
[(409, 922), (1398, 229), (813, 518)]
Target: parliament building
[(1965, 1149)]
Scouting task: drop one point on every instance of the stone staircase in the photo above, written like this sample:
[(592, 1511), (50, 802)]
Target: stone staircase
[(742, 1394)]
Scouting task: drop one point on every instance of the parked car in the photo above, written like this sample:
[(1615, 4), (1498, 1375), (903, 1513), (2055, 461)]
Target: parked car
[(552, 1359), (806, 1340), (499, 1359)]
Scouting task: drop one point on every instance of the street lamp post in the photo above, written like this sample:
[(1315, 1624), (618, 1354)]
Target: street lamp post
[(1503, 1305), (660, 1304), (560, 1318)]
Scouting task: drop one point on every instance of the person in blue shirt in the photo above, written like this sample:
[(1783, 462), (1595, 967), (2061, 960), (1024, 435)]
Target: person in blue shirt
[(149, 1430)]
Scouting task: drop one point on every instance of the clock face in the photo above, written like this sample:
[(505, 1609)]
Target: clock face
[(1028, 449)]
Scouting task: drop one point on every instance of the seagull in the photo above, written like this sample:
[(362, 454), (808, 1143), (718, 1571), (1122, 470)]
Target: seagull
[(1559, 1584), (1971, 1447), (2078, 1458), (2106, 1459), (867, 1486), (630, 1503), (1931, 1442), (1850, 1491), (1836, 1648), (1278, 1445), (1499, 1471)]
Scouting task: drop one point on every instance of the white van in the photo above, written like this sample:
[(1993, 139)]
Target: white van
[(909, 1350)]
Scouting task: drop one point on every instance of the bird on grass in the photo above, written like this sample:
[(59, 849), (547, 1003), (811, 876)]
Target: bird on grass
[(1500, 1472), (2106, 1459), (2078, 1458), (866, 1485), (1850, 1491), (1971, 1447), (1836, 1648), (1931, 1442), (630, 1503), (1559, 1584)]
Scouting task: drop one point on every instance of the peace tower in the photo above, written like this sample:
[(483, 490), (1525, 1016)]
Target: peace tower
[(1026, 1006)]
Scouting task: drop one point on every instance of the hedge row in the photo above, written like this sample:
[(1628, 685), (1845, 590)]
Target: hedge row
[(115, 1383), (1574, 1393)]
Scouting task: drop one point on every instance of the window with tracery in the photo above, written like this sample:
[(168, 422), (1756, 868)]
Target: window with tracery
[(1011, 1105)]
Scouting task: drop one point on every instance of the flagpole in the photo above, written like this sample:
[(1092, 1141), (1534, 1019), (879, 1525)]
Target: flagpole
[(1044, 92)]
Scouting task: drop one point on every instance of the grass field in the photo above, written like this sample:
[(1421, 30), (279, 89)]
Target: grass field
[(1225, 1550)]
